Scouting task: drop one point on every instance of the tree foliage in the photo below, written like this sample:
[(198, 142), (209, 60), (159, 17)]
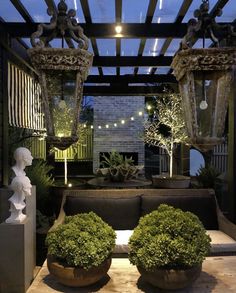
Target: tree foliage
[(169, 114), (167, 129)]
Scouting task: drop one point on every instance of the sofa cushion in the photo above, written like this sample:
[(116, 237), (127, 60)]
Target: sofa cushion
[(221, 243), (202, 206), (121, 213)]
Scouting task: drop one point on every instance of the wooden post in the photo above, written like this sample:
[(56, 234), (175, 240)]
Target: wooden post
[(5, 125), (232, 152)]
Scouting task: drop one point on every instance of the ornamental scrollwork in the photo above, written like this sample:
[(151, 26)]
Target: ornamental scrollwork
[(62, 23)]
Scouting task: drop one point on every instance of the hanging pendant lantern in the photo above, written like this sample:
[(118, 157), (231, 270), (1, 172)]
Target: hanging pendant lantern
[(205, 80), (62, 72)]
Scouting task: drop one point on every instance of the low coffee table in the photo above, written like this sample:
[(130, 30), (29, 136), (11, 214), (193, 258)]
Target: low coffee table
[(218, 275)]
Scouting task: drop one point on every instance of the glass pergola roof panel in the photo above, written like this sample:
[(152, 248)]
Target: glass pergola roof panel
[(199, 43), (38, 10), (102, 11), (109, 70), (229, 13), (163, 70), (73, 4), (153, 47), (166, 11), (9, 13), (126, 70), (129, 47), (195, 5), (173, 47), (93, 71), (106, 47), (27, 41), (144, 70), (134, 11)]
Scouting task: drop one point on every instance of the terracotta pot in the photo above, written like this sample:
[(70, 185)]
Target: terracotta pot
[(171, 279), (177, 181), (76, 277)]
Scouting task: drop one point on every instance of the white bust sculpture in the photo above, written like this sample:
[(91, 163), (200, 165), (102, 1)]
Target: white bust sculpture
[(22, 187), (23, 158)]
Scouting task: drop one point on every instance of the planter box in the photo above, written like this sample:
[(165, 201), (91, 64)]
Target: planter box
[(177, 181)]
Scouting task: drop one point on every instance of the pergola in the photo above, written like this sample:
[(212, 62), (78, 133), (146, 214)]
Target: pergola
[(135, 61)]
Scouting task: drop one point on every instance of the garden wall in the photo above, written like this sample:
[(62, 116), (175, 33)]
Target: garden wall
[(109, 132)]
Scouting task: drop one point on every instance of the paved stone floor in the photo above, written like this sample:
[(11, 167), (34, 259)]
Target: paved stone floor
[(218, 275)]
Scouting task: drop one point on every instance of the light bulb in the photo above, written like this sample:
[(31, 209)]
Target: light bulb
[(203, 105), (118, 29)]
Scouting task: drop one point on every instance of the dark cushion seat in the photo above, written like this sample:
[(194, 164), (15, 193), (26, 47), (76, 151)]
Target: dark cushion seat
[(122, 213), (122, 208), (202, 206)]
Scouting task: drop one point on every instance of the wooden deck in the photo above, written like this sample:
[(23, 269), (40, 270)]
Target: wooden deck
[(218, 275)]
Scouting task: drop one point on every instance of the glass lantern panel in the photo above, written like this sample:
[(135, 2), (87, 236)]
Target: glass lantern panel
[(207, 98), (62, 103)]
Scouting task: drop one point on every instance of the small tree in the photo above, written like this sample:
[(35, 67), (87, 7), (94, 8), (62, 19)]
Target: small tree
[(168, 127)]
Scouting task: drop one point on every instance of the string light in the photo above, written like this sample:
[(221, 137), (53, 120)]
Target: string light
[(91, 126), (122, 121)]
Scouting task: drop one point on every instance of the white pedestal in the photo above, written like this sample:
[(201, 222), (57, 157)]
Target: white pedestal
[(18, 251)]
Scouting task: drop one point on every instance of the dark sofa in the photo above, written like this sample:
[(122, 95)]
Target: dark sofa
[(122, 208)]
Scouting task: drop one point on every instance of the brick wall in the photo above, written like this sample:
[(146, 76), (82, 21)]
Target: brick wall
[(124, 137)]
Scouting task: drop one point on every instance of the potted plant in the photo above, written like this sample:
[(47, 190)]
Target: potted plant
[(168, 247), (118, 168), (79, 250), (208, 177), (167, 130)]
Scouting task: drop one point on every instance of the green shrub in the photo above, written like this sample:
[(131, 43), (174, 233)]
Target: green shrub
[(84, 240), (207, 176), (39, 175), (115, 159), (168, 238)]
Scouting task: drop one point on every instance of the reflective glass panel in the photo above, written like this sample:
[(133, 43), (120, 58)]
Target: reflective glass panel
[(38, 10), (106, 47), (109, 70), (74, 4), (9, 13), (153, 47), (134, 11), (129, 47), (144, 70), (27, 41), (166, 11), (93, 71), (163, 70), (173, 47), (102, 10), (199, 43), (229, 12), (126, 70), (195, 5)]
